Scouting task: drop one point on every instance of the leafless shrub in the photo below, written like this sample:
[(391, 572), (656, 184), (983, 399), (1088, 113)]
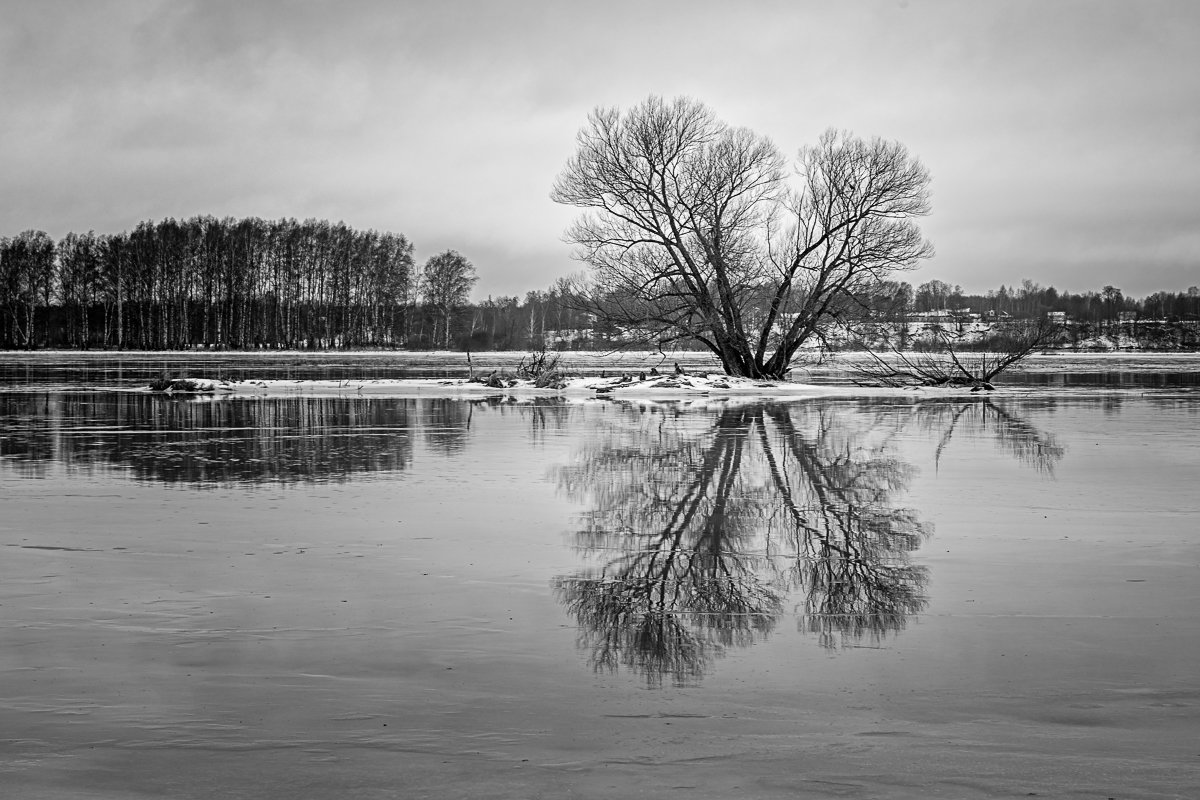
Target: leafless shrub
[(537, 363), (163, 383), (958, 363)]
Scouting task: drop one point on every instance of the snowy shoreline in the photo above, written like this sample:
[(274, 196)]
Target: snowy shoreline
[(626, 386), (594, 375)]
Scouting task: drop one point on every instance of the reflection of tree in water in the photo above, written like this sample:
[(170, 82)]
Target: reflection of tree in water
[(447, 422), (27, 433), (545, 414), (845, 542), (1014, 433), (208, 441), (703, 522), (221, 440), (447, 425), (687, 581)]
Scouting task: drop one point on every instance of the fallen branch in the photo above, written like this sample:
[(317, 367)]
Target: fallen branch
[(1000, 349)]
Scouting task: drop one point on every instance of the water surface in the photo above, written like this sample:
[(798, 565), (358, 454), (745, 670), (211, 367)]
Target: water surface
[(367, 597)]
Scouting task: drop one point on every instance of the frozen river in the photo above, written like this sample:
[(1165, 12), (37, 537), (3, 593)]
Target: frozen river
[(317, 597)]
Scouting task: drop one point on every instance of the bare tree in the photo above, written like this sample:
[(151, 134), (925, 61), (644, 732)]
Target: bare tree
[(27, 268), (693, 233), (446, 283)]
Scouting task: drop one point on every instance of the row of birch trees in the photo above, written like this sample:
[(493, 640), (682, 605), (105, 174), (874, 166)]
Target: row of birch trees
[(253, 283), (229, 283)]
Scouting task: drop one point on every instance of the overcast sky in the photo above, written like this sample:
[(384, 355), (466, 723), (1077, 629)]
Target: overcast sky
[(1063, 137)]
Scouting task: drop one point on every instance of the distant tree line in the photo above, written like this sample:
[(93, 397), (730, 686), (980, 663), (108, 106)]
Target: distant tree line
[(236, 283), (1030, 300), (253, 283), (285, 284)]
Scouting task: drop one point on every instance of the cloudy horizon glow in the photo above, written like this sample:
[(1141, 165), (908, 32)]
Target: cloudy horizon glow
[(1063, 138)]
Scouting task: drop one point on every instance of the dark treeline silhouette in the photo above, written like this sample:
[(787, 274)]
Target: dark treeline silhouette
[(549, 318), (250, 283), (224, 283)]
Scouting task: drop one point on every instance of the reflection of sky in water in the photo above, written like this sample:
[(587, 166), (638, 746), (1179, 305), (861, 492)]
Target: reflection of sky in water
[(493, 587), (698, 528), (701, 529)]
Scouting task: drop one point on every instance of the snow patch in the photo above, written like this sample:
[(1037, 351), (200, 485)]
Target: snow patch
[(629, 387)]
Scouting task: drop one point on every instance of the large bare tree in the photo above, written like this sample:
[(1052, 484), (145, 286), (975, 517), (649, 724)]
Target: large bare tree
[(694, 231)]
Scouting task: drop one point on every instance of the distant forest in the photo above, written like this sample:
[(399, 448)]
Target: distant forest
[(1030, 300), (284, 284)]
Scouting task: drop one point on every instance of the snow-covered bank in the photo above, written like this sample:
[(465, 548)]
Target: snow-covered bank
[(625, 386)]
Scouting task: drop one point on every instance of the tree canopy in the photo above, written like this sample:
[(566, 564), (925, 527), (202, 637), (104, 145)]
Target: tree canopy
[(693, 230), (446, 283)]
